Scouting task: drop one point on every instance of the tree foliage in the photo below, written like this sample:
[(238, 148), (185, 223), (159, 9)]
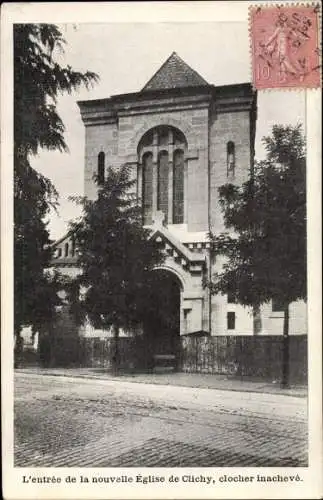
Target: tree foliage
[(265, 249), (38, 81), (116, 256)]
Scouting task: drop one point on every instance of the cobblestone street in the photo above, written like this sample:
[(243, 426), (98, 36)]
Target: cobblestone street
[(65, 421)]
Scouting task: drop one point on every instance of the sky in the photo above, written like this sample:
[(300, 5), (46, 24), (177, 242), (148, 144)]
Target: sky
[(125, 56)]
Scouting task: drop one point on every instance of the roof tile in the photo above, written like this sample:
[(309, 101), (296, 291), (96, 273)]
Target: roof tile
[(174, 73)]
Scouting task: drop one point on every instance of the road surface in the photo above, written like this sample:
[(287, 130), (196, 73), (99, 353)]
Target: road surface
[(75, 422)]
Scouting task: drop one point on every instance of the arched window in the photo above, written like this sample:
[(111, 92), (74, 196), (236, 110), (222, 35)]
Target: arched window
[(161, 174), (162, 183), (178, 187), (230, 159), (147, 187), (101, 168), (73, 246), (66, 250), (163, 136)]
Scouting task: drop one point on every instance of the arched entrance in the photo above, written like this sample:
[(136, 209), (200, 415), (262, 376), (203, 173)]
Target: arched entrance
[(162, 325)]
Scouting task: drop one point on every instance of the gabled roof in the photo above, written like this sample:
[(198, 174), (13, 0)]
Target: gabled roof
[(174, 73), (67, 236), (161, 233)]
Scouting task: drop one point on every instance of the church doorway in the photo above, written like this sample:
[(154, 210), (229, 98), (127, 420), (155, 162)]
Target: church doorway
[(162, 325)]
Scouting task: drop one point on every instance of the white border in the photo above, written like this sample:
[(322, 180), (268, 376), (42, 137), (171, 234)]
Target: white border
[(311, 486)]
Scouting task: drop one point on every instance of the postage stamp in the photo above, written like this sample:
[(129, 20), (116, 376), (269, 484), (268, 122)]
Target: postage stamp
[(169, 387), (285, 46)]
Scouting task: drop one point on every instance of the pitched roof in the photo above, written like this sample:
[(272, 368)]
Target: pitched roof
[(174, 73)]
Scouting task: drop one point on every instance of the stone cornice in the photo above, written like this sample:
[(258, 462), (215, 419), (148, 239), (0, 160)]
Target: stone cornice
[(92, 119), (233, 104), (97, 116), (124, 109), (144, 96), (237, 89), (154, 108), (236, 97)]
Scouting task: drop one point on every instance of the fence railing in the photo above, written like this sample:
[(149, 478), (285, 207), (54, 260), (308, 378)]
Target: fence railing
[(244, 356)]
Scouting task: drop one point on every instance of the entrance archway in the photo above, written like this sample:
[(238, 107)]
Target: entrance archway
[(162, 325)]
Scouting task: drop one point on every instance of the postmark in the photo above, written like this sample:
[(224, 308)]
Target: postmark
[(285, 46)]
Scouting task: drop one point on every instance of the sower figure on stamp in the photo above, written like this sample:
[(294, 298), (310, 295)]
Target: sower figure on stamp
[(279, 41)]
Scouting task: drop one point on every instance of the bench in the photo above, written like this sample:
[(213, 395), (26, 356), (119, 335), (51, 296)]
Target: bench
[(164, 361)]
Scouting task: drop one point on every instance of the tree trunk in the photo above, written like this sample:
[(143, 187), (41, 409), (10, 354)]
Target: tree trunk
[(285, 371), (257, 326), (18, 349), (116, 355), (45, 349)]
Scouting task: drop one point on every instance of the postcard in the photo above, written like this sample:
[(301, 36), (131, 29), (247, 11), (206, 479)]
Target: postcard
[(160, 244)]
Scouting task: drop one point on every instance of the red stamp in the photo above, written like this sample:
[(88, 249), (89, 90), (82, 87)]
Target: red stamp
[(285, 46)]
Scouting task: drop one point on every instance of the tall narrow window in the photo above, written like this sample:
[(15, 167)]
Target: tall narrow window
[(73, 246), (147, 187), (231, 320), (162, 183), (178, 187), (163, 136), (101, 167), (230, 159), (66, 250)]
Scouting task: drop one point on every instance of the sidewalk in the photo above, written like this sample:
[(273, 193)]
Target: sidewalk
[(205, 381)]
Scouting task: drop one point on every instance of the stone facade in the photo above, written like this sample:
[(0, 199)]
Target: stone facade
[(217, 127)]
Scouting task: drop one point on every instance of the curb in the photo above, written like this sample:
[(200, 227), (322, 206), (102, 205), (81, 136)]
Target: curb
[(263, 389)]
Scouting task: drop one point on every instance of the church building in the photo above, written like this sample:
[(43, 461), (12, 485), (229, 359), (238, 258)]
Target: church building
[(183, 138)]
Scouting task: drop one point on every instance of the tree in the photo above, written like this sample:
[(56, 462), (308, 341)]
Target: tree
[(266, 249), (38, 80), (116, 257)]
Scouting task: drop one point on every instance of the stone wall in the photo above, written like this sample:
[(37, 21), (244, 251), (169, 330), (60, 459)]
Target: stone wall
[(103, 137), (225, 127), (209, 119), (119, 141)]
